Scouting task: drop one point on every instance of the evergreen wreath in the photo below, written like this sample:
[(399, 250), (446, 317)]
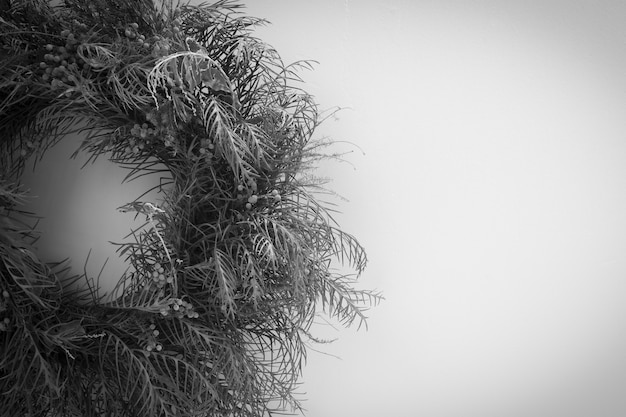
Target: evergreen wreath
[(227, 274)]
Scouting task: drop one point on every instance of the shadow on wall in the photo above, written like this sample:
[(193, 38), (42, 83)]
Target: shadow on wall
[(78, 210)]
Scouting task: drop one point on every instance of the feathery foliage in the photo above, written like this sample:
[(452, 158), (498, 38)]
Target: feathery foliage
[(226, 276)]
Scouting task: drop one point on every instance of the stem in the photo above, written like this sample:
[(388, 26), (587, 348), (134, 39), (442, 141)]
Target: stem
[(173, 269)]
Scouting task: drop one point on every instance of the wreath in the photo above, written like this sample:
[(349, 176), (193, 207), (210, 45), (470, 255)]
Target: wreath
[(228, 272)]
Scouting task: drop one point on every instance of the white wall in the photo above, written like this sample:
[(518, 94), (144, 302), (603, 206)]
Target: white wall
[(490, 197)]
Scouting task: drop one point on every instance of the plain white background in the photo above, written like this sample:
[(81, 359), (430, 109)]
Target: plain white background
[(489, 194)]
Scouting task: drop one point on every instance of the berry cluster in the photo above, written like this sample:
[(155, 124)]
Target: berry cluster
[(158, 276), (250, 194), (141, 138), (158, 45), (62, 67), (207, 149), (151, 339), (179, 308), (161, 45)]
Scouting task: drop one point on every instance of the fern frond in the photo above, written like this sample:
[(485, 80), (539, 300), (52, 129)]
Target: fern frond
[(227, 279), (27, 370), (129, 382), (342, 301)]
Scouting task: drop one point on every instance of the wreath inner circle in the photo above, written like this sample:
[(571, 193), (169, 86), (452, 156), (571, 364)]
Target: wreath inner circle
[(75, 212)]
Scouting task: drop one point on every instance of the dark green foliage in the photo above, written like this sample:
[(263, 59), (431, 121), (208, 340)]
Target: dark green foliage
[(228, 272)]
